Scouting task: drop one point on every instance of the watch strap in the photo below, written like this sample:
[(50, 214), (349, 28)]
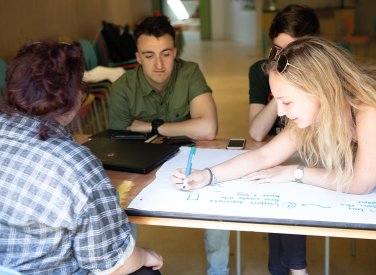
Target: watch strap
[(155, 124), (154, 129)]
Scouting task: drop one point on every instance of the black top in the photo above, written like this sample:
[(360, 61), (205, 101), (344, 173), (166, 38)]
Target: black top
[(259, 92)]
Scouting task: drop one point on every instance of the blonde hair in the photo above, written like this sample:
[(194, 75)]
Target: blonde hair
[(322, 68)]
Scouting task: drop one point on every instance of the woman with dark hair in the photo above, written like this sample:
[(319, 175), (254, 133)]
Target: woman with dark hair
[(60, 212), (45, 81)]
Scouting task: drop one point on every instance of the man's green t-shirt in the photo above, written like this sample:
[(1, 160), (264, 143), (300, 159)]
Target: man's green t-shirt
[(131, 97)]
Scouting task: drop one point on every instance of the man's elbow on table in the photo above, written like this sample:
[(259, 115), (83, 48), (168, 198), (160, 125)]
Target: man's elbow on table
[(255, 136), (207, 132), (257, 133)]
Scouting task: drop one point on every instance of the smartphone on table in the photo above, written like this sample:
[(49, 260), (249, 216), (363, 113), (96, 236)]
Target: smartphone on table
[(236, 144)]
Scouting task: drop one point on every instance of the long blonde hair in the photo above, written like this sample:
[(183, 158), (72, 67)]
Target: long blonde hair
[(322, 68)]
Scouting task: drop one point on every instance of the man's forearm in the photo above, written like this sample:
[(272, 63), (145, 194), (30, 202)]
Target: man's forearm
[(263, 121), (195, 128)]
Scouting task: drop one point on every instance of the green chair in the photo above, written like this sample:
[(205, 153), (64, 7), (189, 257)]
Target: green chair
[(3, 69), (91, 60), (95, 112)]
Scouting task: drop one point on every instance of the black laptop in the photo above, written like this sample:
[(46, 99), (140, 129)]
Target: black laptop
[(130, 155)]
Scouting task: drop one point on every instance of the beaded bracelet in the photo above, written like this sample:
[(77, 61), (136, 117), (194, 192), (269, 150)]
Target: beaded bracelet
[(212, 180)]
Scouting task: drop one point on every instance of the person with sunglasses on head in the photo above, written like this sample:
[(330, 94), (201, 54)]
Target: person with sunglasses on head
[(60, 214), (290, 23), (329, 101)]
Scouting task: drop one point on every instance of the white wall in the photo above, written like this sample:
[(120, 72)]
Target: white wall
[(190, 6), (230, 21), (217, 12)]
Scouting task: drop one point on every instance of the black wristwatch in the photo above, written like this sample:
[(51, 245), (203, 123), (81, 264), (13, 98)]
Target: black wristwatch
[(155, 124)]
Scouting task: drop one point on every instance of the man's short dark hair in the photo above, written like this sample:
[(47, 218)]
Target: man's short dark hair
[(156, 26), (295, 20)]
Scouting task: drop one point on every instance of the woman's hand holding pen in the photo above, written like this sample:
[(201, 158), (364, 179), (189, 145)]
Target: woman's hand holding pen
[(196, 179)]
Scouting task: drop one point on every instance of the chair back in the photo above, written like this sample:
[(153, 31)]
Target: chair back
[(3, 69), (348, 24), (91, 60), (101, 49)]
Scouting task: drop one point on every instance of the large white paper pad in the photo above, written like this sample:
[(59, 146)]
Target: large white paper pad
[(246, 201)]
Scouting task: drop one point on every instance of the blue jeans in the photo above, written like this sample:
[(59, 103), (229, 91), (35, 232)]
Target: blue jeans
[(217, 251), (286, 252)]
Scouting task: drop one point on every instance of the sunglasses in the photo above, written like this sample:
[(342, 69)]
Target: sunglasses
[(273, 52), (283, 62)]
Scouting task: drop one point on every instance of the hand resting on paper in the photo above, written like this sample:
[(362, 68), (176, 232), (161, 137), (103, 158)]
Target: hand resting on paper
[(197, 179), (280, 173)]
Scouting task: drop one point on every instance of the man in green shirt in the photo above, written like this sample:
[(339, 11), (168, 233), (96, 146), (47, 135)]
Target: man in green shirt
[(164, 95), (170, 97)]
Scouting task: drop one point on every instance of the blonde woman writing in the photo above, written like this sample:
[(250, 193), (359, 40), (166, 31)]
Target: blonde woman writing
[(330, 102)]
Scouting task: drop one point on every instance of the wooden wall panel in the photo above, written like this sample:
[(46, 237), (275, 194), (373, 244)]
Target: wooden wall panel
[(23, 21)]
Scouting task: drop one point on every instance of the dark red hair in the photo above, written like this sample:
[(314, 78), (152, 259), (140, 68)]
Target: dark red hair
[(44, 80)]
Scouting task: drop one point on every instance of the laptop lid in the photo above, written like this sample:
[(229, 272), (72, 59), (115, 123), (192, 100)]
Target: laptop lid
[(134, 156), (122, 134)]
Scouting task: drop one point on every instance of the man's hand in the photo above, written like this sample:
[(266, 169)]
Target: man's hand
[(140, 126)]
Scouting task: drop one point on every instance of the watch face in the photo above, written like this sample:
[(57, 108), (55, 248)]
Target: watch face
[(298, 174)]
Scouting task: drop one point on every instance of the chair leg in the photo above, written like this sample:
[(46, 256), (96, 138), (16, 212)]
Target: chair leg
[(353, 247), (327, 255), (105, 110), (79, 126), (96, 116), (238, 254)]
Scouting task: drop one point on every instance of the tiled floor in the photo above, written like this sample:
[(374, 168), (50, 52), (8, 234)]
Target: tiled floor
[(225, 65)]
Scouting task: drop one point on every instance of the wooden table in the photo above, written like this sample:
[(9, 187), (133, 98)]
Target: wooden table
[(141, 181)]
